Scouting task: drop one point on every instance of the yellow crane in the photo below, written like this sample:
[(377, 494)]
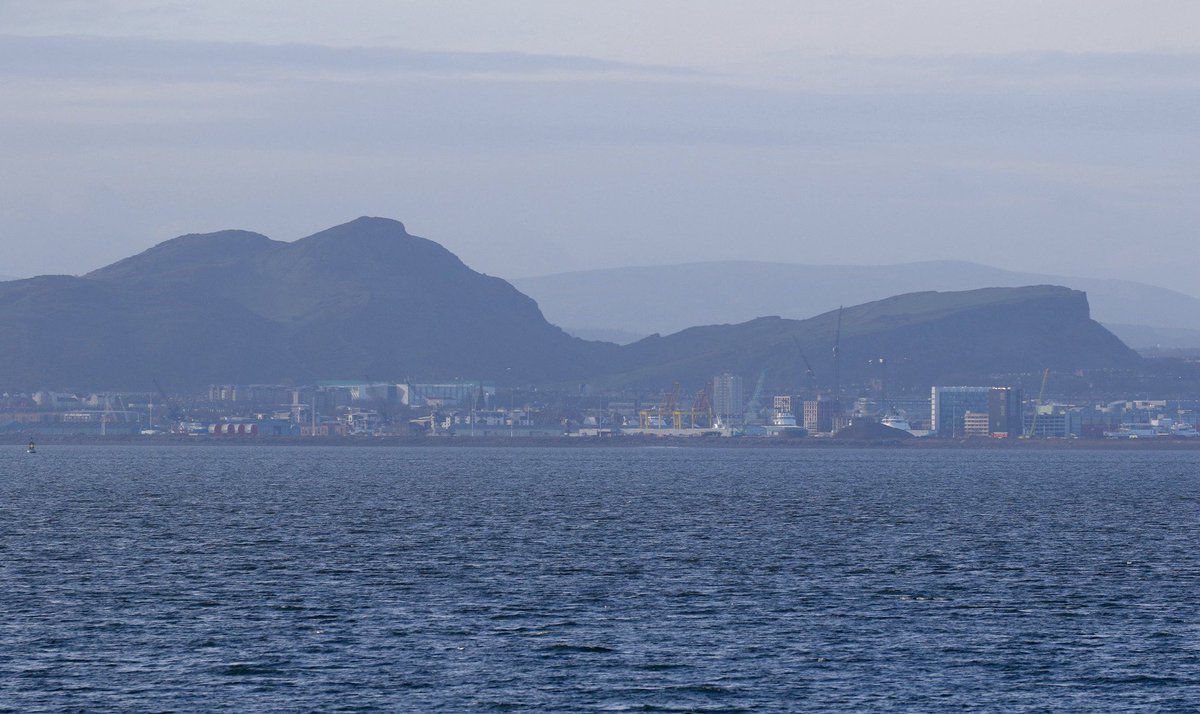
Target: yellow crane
[(667, 408), (671, 408)]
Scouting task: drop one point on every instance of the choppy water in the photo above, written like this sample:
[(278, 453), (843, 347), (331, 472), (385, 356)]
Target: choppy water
[(292, 579)]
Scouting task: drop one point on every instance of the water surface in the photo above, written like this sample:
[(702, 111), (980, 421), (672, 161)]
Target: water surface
[(293, 578)]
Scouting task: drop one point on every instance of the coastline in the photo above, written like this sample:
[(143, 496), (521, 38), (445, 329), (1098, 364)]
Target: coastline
[(922, 444)]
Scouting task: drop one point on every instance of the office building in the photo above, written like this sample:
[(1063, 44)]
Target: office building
[(949, 407), (1004, 413), (976, 424), (819, 415)]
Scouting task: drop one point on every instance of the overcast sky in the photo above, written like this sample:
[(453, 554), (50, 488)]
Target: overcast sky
[(537, 137)]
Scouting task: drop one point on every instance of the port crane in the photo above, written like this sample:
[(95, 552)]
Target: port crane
[(810, 377), (754, 406), (837, 361), (702, 410), (173, 414), (667, 408), (1038, 407)]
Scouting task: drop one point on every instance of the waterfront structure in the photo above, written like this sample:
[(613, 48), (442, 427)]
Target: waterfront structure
[(976, 424), (380, 392), (56, 400), (783, 419), (819, 415), (454, 392), (915, 411), (1054, 421), (782, 406), (1004, 413), (256, 394), (949, 407), (467, 408)]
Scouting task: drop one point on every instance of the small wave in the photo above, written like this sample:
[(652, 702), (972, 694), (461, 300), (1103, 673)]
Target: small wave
[(662, 666), (586, 649), (250, 669)]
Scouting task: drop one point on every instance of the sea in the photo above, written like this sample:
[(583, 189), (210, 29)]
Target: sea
[(291, 578)]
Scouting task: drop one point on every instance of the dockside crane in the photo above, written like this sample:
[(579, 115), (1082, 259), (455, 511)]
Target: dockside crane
[(754, 406), (837, 362), (1038, 407), (667, 408), (173, 414), (672, 409), (810, 377), (702, 411)]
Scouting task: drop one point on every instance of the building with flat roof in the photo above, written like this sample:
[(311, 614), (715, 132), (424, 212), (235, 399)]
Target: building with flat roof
[(454, 392), (1054, 421), (976, 424), (819, 415), (949, 407), (1004, 413)]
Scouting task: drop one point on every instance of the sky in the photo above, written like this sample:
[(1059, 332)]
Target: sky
[(534, 137)]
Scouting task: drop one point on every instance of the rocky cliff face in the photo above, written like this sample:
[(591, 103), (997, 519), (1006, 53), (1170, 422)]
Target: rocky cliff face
[(923, 338), (800, 291)]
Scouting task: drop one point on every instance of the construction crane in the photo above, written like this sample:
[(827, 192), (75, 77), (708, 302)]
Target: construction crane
[(672, 408), (754, 406), (837, 361), (810, 377), (173, 414), (1038, 407), (702, 410), (107, 415)]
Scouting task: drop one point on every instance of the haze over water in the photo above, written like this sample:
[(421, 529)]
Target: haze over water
[(622, 579)]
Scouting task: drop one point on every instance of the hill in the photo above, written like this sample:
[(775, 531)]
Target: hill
[(663, 299), (360, 300), (924, 338), (367, 300)]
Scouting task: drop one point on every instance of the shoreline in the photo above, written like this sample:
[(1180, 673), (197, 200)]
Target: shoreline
[(920, 444)]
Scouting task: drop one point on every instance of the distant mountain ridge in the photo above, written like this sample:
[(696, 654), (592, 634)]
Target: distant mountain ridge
[(367, 300), (664, 299)]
